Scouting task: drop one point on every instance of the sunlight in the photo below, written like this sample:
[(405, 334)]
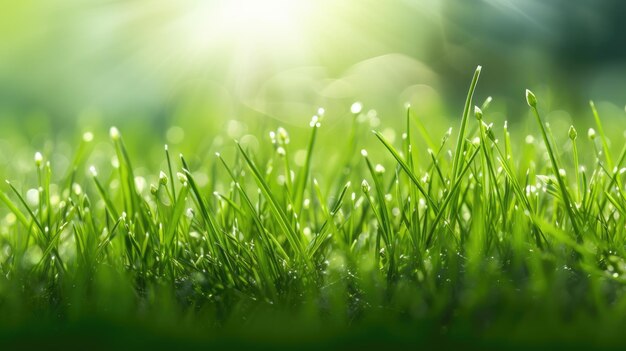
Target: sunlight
[(271, 25), (255, 38), (260, 19)]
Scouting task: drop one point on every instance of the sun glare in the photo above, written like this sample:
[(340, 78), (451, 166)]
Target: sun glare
[(269, 25), (260, 19), (249, 39)]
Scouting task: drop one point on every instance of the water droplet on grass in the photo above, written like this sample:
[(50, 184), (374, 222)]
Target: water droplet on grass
[(356, 108)]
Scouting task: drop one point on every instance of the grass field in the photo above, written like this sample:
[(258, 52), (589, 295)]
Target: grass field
[(401, 237)]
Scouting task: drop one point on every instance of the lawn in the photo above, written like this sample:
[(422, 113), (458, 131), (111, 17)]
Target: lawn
[(405, 238)]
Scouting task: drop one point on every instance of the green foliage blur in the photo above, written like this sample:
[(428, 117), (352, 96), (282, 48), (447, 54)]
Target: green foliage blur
[(198, 74)]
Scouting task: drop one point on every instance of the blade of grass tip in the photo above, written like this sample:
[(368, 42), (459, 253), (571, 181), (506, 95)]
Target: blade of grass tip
[(460, 141), (488, 164), (508, 150), (555, 148), (40, 181), (349, 148), (478, 113), (211, 226), (618, 205), (435, 165), (125, 171), (377, 174), (263, 232), (171, 172), (71, 178), (78, 158), (179, 209), (407, 170), (613, 178), (424, 133), (407, 139), (410, 207), (339, 202), (366, 189), (486, 103), (14, 209), (282, 218), (80, 245), (605, 144), (231, 203), (328, 225), (127, 178), (51, 248), (452, 194), (46, 193), (572, 136), (30, 212), (303, 176), (107, 201), (510, 173), (45, 231), (532, 102), (519, 192), (111, 234)]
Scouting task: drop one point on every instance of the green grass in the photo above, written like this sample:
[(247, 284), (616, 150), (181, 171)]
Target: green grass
[(487, 239)]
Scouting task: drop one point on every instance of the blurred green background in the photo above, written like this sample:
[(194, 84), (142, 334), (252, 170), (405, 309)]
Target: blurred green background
[(181, 71)]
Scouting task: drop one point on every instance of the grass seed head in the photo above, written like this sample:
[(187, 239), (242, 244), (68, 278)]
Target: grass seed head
[(365, 186), (77, 189), (531, 99), (489, 131), (487, 102), (572, 133), (315, 122), (88, 137), (478, 113), (38, 159), (162, 178), (114, 133), (283, 136), (356, 108), (591, 134)]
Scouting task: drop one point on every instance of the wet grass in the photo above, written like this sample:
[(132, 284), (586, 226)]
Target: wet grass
[(487, 240)]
